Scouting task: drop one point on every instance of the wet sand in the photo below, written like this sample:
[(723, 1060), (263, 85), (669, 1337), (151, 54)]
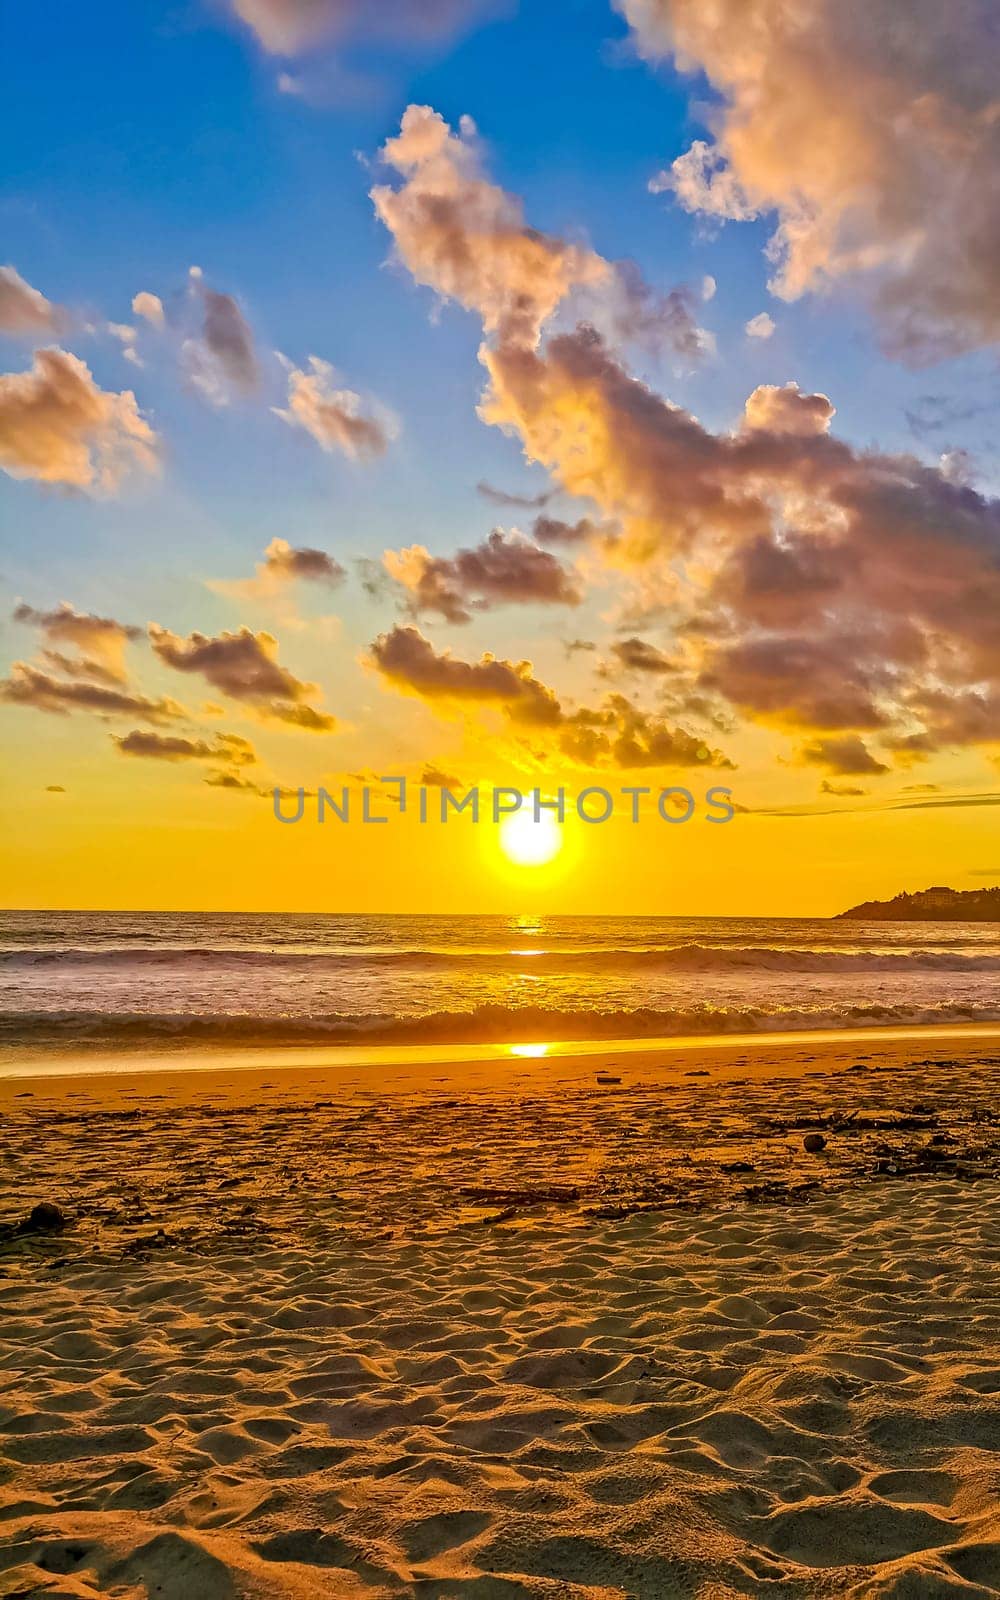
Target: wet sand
[(497, 1328)]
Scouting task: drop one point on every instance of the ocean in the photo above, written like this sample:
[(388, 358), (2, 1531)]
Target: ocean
[(130, 979)]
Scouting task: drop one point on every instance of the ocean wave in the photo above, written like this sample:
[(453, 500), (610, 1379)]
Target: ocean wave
[(688, 957), (485, 1024)]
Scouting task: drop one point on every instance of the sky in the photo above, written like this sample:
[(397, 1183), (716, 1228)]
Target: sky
[(499, 394)]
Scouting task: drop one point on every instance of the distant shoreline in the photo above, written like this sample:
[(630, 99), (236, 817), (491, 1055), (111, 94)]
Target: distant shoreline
[(929, 905)]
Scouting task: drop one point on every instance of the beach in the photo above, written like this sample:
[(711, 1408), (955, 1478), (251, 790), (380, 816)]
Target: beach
[(576, 1325)]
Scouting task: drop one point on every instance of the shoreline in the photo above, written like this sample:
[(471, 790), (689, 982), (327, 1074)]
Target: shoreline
[(519, 1068)]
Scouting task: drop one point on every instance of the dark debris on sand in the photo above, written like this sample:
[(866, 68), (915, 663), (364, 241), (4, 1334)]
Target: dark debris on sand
[(219, 1177)]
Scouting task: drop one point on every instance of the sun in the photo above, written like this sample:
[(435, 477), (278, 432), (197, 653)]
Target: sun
[(529, 843)]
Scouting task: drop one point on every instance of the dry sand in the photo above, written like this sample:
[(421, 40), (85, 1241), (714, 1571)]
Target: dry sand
[(506, 1331)]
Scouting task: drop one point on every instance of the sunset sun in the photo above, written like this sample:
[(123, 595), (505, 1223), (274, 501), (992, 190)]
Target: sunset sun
[(530, 843)]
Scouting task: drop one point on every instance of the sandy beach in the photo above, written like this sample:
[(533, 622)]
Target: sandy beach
[(501, 1328)]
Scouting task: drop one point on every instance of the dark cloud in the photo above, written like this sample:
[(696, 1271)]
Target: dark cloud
[(244, 665), (506, 569), (638, 655), (410, 662), (501, 497), (553, 530), (818, 683), (228, 747), (434, 778), (845, 754), (220, 358), (844, 791), (28, 685), (615, 733)]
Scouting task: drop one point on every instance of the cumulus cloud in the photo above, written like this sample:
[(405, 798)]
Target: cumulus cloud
[(57, 426), (819, 587), (411, 663), (616, 733), (336, 418), (283, 564), (786, 409), (875, 139), (506, 569), (466, 238), (24, 310), (149, 307), (760, 327), (244, 666), (100, 641), (34, 687)]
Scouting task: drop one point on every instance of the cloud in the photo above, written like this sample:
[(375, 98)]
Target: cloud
[(843, 791), (228, 747), (615, 733), (553, 530), (409, 661), (800, 682), (149, 307), (29, 685), (289, 27), (607, 437), (283, 564), (464, 237), (785, 409), (467, 239), (215, 344), (760, 326), (101, 641), (245, 667), (434, 778), (876, 143), (221, 360), (819, 587), (638, 655), (335, 418), (506, 569), (847, 755), (501, 497), (877, 578), (58, 427), (24, 310)]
